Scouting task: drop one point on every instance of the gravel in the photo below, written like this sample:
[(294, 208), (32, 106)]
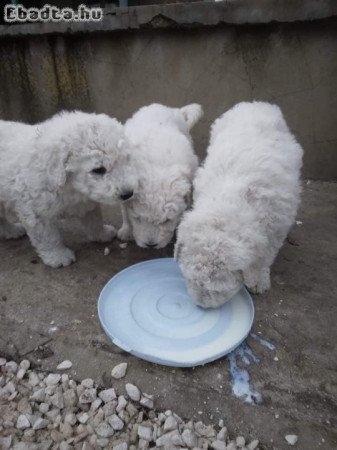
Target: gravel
[(53, 412)]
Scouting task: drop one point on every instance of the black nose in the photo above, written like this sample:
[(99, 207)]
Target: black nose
[(151, 245), (126, 195)]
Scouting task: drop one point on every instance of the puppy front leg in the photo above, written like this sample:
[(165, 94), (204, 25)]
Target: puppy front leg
[(47, 241), (257, 279), (95, 228), (125, 232)]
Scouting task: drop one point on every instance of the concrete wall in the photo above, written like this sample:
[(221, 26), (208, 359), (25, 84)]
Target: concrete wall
[(291, 64)]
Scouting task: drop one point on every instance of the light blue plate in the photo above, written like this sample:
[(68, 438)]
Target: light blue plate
[(146, 310)]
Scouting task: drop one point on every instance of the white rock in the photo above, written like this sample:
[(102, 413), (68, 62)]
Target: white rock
[(145, 432), (70, 418), (107, 395), (119, 371), (240, 441), (146, 402), (96, 404), (66, 430), (43, 407), (252, 445), (70, 398), (11, 366), (65, 446), (102, 442), (221, 436), (88, 396), (64, 365), (133, 392), (190, 438), (2, 362), (106, 251), (87, 383), (5, 442), (39, 395), (221, 423), (122, 402), (123, 245), (25, 364), (33, 379), (40, 423), (170, 424), (121, 446), (57, 400), (104, 430), (20, 374), (52, 379), (170, 438), (83, 418), (219, 445), (22, 423), (291, 439), (115, 422)]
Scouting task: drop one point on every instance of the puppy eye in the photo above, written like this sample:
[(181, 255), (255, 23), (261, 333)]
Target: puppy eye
[(99, 170)]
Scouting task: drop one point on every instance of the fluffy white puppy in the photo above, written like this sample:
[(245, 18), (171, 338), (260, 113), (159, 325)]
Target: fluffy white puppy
[(246, 197), (165, 164), (63, 167)]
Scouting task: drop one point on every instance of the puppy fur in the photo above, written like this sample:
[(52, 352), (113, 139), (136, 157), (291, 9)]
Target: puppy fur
[(246, 197), (46, 174), (165, 165)]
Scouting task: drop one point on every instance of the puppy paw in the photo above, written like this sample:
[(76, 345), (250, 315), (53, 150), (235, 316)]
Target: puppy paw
[(262, 286), (125, 234), (60, 257), (108, 234)]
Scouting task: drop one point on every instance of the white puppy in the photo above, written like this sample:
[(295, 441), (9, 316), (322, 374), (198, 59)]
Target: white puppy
[(166, 164), (245, 200), (63, 167)]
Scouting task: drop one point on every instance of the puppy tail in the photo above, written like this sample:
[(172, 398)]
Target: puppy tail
[(192, 114)]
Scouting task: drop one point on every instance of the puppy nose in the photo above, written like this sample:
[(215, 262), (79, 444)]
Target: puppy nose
[(126, 195), (151, 244)]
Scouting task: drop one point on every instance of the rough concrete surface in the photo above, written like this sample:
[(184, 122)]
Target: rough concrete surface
[(292, 65), (49, 315)]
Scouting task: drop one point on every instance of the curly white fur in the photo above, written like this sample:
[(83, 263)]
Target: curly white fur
[(245, 201), (46, 174), (165, 164)]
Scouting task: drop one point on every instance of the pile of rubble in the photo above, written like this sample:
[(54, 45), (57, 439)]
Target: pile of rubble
[(41, 411)]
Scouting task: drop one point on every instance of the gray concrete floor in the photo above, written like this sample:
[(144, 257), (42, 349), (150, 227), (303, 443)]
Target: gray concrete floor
[(49, 315)]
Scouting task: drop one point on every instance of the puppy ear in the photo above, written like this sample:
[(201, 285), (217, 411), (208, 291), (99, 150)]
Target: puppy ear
[(192, 114)]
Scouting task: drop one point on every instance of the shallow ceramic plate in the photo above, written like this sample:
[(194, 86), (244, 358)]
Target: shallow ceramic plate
[(146, 310)]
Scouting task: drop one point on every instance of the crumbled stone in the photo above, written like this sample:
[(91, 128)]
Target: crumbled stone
[(121, 446), (240, 441), (22, 423), (39, 395), (107, 395), (83, 418), (291, 439), (40, 423), (106, 251), (145, 432), (33, 379), (133, 392), (119, 371), (104, 430), (190, 438), (115, 422), (147, 401), (122, 402), (24, 364), (52, 379), (219, 445), (87, 383), (65, 365), (88, 396), (253, 445)]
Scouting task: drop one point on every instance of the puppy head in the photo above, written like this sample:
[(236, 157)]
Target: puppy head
[(157, 206), (207, 262), (94, 158)]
